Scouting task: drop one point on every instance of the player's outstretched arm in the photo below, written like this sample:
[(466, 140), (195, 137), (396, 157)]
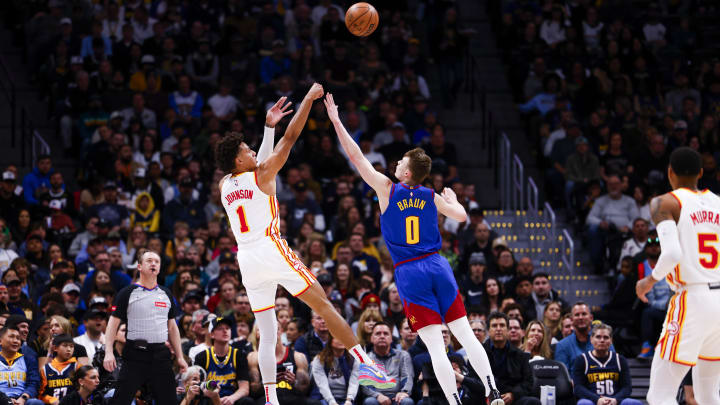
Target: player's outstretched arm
[(664, 210), (448, 205), (273, 116), (269, 168), (378, 181)]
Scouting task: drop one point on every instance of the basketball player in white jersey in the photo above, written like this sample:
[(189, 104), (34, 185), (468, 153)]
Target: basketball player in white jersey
[(688, 225), (265, 259)]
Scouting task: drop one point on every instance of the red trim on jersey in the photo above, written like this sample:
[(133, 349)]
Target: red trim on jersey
[(410, 187), (392, 190), (672, 193), (456, 310), (359, 356), (256, 182), (414, 258)]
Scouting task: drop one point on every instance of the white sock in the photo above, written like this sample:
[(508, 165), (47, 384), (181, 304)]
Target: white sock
[(431, 335), (460, 328), (360, 356), (267, 323)]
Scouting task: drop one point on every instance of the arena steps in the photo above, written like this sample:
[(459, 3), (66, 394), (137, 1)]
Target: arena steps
[(527, 236)]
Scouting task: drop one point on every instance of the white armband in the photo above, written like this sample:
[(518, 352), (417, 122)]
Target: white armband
[(671, 252)]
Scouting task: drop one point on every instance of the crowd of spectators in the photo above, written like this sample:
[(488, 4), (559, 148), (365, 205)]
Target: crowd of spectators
[(142, 91), (608, 90)]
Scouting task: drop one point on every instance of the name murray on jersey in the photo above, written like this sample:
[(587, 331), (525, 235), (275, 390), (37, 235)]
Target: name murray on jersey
[(703, 216), (238, 195)]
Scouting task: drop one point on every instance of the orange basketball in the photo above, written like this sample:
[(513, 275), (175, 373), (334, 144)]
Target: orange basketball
[(361, 19)]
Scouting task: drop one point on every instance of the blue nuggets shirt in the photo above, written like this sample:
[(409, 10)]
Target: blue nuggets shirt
[(409, 224), (424, 279)]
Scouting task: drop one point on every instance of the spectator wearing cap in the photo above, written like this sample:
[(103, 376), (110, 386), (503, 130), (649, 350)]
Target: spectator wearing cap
[(679, 135), (225, 364), (71, 296), (276, 64), (192, 301), (186, 102), (95, 321), (17, 301), (183, 208), (10, 201), (199, 332), (23, 379), (139, 83), (61, 226), (396, 148), (138, 111), (115, 214), (202, 331), (143, 184), (472, 284), (37, 182), (581, 168)]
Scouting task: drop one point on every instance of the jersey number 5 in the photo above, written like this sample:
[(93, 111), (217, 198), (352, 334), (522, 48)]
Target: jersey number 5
[(412, 230), (705, 248), (243, 220)]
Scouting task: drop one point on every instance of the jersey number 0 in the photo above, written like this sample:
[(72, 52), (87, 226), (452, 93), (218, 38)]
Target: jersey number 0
[(412, 230)]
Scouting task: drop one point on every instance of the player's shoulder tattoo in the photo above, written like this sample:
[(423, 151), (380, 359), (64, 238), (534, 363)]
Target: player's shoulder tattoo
[(662, 208)]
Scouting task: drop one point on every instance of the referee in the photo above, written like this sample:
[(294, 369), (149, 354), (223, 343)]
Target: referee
[(149, 311)]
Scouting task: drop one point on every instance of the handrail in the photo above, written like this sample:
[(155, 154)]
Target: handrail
[(518, 181), (532, 196), (568, 250), (39, 146)]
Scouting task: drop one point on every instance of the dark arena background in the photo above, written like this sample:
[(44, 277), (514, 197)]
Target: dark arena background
[(551, 120)]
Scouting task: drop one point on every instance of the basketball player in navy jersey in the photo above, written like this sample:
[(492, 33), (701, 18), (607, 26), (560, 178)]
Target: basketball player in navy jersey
[(424, 279)]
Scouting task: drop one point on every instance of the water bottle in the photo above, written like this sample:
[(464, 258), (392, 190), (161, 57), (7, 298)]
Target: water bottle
[(547, 395)]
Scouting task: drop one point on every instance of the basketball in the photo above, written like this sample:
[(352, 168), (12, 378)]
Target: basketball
[(361, 19)]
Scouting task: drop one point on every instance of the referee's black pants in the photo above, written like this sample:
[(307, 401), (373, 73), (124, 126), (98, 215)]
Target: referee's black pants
[(152, 365)]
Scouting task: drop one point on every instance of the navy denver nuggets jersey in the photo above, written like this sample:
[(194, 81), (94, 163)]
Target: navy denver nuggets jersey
[(607, 377), (225, 372), (56, 380), (410, 223)]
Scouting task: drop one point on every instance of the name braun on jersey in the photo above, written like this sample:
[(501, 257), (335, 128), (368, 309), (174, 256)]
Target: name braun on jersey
[(699, 217), (239, 195), (411, 203)]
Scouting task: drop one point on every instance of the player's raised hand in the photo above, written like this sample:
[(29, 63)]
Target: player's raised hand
[(316, 91), (331, 107), (277, 112), (449, 196)]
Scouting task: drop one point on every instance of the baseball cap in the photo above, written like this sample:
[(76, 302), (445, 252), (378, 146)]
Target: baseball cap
[(226, 257), (65, 20), (300, 186), (110, 185), (147, 59), (217, 321), (499, 241), (116, 114), (95, 313), (680, 124), (103, 223), (55, 205), (369, 298), (8, 176), (209, 317), (62, 338), (76, 60), (70, 288), (398, 124), (278, 42), (16, 319), (193, 295), (97, 300), (140, 173), (581, 139), (187, 182), (11, 279), (477, 258), (199, 315)]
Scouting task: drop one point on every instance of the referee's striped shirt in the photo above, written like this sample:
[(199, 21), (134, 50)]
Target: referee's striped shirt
[(146, 312)]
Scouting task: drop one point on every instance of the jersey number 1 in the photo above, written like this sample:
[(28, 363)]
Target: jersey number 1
[(705, 248), (243, 220), (412, 230)]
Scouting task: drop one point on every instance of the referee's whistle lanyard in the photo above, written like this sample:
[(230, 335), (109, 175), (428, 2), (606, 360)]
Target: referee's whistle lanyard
[(145, 288)]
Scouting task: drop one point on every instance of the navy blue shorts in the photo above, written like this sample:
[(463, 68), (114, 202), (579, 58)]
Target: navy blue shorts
[(428, 291)]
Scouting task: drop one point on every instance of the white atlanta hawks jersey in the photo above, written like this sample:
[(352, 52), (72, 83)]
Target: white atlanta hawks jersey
[(252, 213)]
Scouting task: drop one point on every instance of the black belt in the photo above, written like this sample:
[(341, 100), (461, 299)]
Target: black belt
[(142, 344)]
